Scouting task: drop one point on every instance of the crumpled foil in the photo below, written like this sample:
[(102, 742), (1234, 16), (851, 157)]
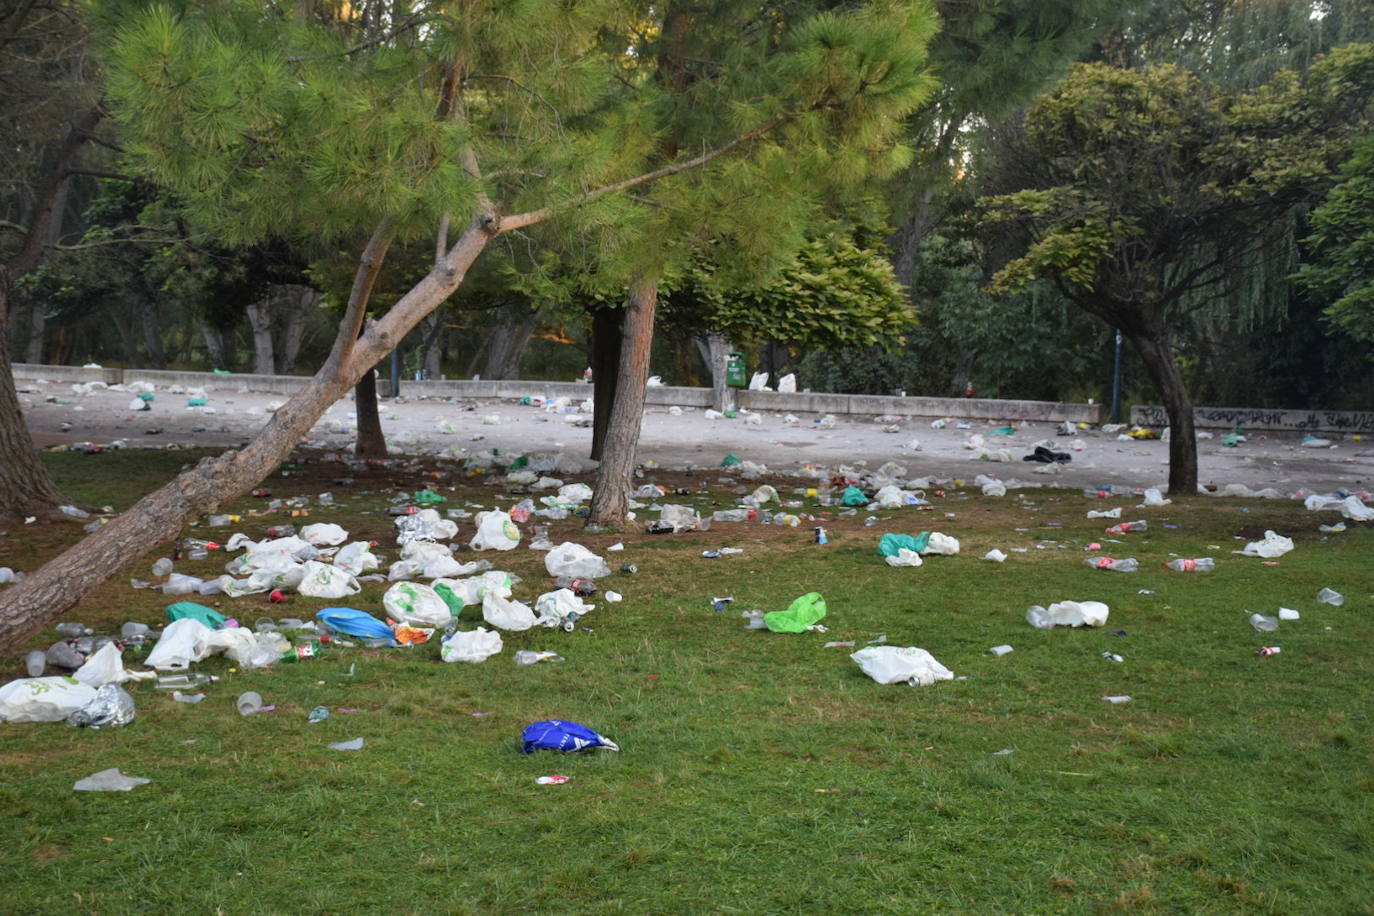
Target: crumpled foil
[(112, 707)]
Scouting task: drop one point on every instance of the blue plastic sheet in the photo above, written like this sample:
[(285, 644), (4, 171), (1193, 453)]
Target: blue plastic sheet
[(557, 735), (352, 622)]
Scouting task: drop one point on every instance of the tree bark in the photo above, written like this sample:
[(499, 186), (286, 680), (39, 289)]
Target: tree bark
[(25, 487), (51, 591), (371, 442), (216, 346), (431, 345), (610, 495), (1155, 352), (260, 319), (508, 340), (608, 332), (297, 301), (152, 335), (715, 352)]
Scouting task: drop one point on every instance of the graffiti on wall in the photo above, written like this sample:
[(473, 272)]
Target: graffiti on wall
[(1340, 421)]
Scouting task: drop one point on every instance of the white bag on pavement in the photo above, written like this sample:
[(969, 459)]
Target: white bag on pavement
[(896, 665)]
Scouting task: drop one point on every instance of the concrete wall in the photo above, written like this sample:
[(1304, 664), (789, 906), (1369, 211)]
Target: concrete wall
[(1297, 421), (973, 408)]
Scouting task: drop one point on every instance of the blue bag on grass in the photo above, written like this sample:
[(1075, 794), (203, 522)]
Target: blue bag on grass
[(352, 622), (556, 735)]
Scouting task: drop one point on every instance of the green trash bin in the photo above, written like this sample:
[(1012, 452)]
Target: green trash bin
[(734, 370)]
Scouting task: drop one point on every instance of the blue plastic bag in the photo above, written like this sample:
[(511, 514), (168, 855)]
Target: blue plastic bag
[(556, 735), (352, 622)]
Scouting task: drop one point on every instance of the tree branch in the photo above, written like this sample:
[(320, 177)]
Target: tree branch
[(416, 20), (521, 220)]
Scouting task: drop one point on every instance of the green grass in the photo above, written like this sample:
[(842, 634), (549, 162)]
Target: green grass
[(1230, 784)]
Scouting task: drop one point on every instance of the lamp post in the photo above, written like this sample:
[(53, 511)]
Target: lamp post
[(1116, 381)]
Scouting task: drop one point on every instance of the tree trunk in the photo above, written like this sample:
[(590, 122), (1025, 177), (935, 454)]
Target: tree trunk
[(371, 442), (608, 331), (38, 324), (152, 335), (260, 319), (715, 352), (432, 345), (508, 339), (25, 487), (297, 301), (216, 345), (1155, 352), (51, 591), (906, 241), (610, 496)]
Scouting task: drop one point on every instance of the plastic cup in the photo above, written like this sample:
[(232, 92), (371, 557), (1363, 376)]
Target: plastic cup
[(249, 703)]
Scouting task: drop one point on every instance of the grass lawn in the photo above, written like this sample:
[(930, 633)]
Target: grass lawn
[(760, 773)]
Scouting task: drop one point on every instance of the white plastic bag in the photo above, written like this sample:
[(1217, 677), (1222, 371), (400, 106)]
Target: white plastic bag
[(323, 581), (575, 492), (994, 488), (1273, 545), (1153, 497), (324, 533), (904, 557), (495, 531), (1078, 613), (356, 558), (788, 383), (896, 665), (682, 518), (43, 699), (183, 641), (569, 559), (425, 525), (105, 666), (416, 605), (471, 646), (507, 613), (759, 382), (764, 495), (560, 606), (890, 497), (942, 544)]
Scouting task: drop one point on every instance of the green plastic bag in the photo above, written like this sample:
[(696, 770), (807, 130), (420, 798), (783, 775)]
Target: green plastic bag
[(455, 604), (892, 544), (195, 402), (428, 498), (853, 496), (183, 609), (800, 614), (519, 463), (729, 461), (1004, 431)]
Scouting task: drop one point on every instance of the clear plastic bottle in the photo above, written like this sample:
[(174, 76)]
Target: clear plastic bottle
[(162, 567), (184, 679), (1201, 564), (1122, 528), (530, 657), (730, 515), (1128, 564), (35, 662)]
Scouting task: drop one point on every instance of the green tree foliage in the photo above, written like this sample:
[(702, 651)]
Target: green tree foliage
[(1342, 240), (1149, 190)]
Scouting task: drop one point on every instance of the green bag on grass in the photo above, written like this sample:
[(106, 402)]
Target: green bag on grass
[(800, 614), (892, 544)]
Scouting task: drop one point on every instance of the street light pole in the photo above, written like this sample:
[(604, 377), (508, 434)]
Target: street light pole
[(1116, 381)]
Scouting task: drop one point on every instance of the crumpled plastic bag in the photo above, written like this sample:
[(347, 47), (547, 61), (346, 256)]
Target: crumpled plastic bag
[(558, 607), (323, 581), (459, 593), (569, 559), (1352, 507), (1153, 497), (110, 780), (763, 495), (324, 533), (495, 531), (941, 544), (682, 518), (889, 497), (507, 613), (557, 735), (353, 622), (800, 614), (471, 646), (356, 558), (43, 699), (104, 666), (183, 609), (416, 605), (575, 492), (1069, 614), (890, 545), (994, 488), (788, 383), (904, 557), (277, 553), (853, 496), (425, 525), (111, 707), (183, 642), (898, 665), (1273, 545), (759, 382)]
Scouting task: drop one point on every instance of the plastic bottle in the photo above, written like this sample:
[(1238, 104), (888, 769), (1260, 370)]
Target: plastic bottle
[(1201, 564), (281, 531), (530, 657), (1122, 528), (35, 662), (185, 679), (301, 651), (1128, 564), (162, 567), (73, 629), (730, 515)]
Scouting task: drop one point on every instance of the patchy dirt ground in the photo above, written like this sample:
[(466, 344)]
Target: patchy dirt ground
[(459, 428)]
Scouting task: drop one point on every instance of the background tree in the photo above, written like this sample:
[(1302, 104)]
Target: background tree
[(1342, 268), (1152, 191)]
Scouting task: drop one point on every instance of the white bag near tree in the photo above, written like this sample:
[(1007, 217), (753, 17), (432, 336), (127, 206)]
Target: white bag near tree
[(569, 559), (471, 646), (43, 699), (324, 581), (788, 383), (495, 531), (183, 641), (896, 665), (759, 382), (324, 533), (507, 613), (416, 605), (575, 492), (682, 518)]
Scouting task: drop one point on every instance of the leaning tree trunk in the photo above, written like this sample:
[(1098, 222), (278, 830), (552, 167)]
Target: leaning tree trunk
[(608, 333), (610, 495), (371, 441), (1155, 352), (25, 487), (52, 590)]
